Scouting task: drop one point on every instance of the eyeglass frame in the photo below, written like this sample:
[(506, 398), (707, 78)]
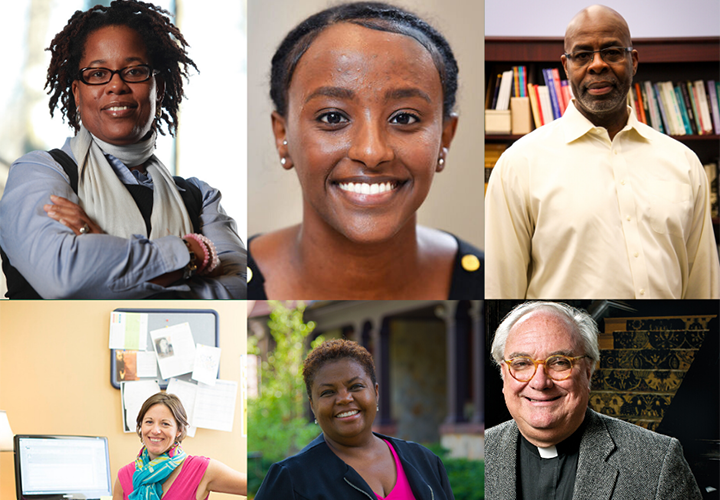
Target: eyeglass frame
[(114, 72), (537, 362), (570, 57)]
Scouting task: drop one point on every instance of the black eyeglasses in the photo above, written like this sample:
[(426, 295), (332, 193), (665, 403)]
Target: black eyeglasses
[(611, 55), (129, 74)]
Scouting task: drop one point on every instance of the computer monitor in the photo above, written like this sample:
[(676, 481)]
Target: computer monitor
[(61, 467)]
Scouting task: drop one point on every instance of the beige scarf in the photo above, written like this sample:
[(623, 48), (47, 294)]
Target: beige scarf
[(108, 202)]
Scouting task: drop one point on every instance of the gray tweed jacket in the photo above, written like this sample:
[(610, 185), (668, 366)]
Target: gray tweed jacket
[(618, 461)]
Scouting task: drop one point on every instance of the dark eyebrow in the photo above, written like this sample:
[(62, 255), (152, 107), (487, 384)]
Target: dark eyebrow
[(350, 381), (405, 93), (604, 45), (103, 61), (338, 92)]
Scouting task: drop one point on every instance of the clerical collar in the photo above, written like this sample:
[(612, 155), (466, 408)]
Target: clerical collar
[(569, 446)]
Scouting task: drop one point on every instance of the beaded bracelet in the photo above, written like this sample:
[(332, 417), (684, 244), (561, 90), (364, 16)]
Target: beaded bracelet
[(211, 260), (191, 267)]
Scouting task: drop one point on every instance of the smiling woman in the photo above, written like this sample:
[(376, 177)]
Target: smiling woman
[(162, 468), (348, 460), (364, 96), (102, 217)]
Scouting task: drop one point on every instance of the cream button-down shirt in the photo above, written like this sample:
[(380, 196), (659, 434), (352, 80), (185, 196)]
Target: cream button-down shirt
[(570, 214)]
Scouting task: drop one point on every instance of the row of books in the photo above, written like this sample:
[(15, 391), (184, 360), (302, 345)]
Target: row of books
[(548, 101), (682, 108)]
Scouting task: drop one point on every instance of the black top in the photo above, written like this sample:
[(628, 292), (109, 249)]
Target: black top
[(317, 473), (465, 284), (548, 478)]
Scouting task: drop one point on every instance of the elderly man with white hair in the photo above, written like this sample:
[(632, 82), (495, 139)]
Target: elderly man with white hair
[(555, 447)]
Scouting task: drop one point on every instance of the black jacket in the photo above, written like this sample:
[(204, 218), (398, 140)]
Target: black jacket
[(316, 473)]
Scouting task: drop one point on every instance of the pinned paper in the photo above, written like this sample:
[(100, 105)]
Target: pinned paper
[(207, 364), (175, 350), (133, 395), (215, 405), (146, 364), (185, 391), (126, 365), (128, 331)]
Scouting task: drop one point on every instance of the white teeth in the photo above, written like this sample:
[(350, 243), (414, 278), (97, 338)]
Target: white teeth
[(365, 188), (348, 413), (118, 108)]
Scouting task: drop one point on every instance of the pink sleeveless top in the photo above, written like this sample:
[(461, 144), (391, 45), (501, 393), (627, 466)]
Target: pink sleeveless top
[(401, 490), (185, 485)]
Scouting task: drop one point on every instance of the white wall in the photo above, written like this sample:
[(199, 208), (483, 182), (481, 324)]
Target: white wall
[(646, 18)]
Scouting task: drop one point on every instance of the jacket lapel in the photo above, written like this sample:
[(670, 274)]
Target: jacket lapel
[(595, 478)]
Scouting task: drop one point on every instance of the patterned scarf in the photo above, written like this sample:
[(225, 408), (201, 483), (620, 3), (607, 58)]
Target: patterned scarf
[(150, 475)]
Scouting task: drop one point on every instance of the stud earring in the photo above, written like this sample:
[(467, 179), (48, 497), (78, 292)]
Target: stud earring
[(283, 161), (285, 142), (441, 161), (316, 421)]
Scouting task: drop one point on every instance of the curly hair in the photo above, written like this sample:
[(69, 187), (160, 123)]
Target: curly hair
[(166, 48), (372, 15), (335, 350), (175, 406)]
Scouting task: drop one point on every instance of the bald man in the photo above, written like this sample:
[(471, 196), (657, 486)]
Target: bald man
[(597, 205)]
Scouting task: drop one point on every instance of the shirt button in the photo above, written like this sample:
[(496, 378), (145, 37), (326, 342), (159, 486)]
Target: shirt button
[(628, 218), (636, 254), (622, 182), (470, 262), (642, 291), (615, 151)]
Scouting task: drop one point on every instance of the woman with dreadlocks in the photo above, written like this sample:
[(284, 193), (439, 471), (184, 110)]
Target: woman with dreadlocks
[(102, 217)]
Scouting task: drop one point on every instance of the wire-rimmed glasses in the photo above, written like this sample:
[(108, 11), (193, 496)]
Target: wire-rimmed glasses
[(611, 55), (129, 74), (557, 367)]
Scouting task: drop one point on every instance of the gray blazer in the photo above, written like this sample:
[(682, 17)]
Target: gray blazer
[(618, 461)]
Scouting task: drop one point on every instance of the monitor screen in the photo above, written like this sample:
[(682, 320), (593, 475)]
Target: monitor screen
[(65, 466)]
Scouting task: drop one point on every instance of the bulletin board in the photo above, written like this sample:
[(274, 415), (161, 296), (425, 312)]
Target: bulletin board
[(204, 325)]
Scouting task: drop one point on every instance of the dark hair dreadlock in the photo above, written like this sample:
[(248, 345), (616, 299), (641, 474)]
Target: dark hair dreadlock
[(165, 45), (372, 15)]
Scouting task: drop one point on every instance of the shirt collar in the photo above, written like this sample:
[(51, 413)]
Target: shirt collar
[(575, 125)]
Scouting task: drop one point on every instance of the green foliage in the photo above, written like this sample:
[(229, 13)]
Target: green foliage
[(277, 419), (467, 477)]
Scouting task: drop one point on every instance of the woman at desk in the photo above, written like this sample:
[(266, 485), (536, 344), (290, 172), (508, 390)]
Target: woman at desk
[(162, 468), (364, 96), (103, 218)]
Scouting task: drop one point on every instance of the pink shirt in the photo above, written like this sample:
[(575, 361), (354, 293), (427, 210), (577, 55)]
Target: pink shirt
[(401, 490), (186, 483)]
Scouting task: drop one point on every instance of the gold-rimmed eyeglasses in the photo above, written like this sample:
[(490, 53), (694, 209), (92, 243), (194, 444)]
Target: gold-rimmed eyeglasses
[(557, 367), (611, 55)]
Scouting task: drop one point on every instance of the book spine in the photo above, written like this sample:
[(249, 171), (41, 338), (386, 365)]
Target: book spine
[(558, 91), (688, 106), (496, 91), (534, 105), (713, 86), (683, 112), (547, 74), (694, 103), (704, 109), (655, 120), (661, 105)]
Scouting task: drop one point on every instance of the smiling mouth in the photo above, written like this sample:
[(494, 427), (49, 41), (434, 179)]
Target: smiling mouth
[(542, 400), (368, 188), (117, 108), (347, 414)]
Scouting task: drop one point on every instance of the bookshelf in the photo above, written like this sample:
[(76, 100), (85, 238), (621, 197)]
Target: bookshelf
[(660, 59)]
